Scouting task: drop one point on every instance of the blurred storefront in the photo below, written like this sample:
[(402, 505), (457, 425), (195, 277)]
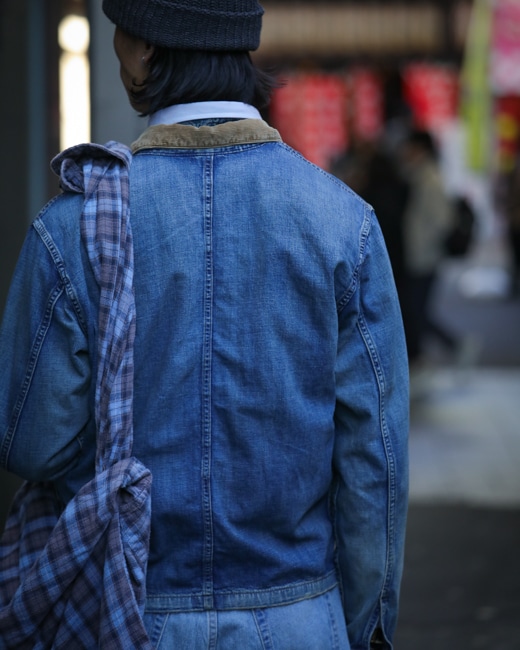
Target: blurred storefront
[(504, 63), (357, 75), (350, 69)]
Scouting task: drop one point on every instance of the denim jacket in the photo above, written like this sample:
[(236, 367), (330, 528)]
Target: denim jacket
[(271, 383)]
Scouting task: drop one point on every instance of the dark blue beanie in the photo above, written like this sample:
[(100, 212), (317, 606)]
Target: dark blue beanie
[(213, 25)]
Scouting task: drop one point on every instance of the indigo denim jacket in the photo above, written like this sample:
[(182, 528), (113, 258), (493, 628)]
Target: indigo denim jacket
[(271, 382)]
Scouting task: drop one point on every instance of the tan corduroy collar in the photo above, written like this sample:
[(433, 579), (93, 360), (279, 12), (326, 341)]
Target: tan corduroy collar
[(180, 136)]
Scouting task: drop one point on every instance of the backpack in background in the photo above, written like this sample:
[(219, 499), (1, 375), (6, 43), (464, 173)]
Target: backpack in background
[(461, 235)]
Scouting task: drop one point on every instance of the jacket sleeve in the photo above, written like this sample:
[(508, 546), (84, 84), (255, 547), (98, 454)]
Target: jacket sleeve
[(371, 449), (44, 366)]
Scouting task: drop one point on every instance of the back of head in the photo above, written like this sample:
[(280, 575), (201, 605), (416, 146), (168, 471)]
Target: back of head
[(208, 25), (424, 141), (201, 50)]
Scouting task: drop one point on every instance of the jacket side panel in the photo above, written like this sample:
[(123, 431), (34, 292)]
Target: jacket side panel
[(371, 456), (45, 403)]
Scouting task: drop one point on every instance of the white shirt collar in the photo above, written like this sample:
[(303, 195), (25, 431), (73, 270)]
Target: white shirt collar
[(203, 110)]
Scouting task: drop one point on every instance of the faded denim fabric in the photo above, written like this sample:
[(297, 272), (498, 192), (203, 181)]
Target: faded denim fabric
[(310, 624), (271, 383)]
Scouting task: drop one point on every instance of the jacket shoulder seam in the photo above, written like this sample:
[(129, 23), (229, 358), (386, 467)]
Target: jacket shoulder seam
[(363, 239), (59, 264)]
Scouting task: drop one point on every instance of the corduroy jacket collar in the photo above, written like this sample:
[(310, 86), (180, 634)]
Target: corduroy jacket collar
[(181, 136)]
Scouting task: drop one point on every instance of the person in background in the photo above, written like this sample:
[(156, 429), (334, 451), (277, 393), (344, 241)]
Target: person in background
[(387, 192), (271, 378), (512, 213), (427, 220)]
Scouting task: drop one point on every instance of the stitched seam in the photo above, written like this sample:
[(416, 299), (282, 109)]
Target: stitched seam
[(202, 149), (390, 462), (262, 626), (60, 267), (333, 624), (319, 586), (363, 238), (206, 387), (212, 622), (29, 373)]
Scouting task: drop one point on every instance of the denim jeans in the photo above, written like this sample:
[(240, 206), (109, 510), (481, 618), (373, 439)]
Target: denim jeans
[(313, 624)]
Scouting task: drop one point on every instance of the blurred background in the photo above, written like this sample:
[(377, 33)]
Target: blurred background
[(357, 77)]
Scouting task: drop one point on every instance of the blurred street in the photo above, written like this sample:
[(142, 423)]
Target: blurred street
[(460, 588)]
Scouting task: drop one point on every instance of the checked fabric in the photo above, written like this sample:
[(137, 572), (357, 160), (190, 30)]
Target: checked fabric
[(76, 579)]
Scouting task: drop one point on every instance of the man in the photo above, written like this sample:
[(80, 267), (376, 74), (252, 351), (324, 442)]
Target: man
[(270, 393)]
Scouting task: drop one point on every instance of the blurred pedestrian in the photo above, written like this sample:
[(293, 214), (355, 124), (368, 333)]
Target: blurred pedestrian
[(270, 392), (427, 220), (387, 191), (512, 211)]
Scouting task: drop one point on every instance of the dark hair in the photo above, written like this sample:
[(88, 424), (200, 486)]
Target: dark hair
[(183, 76), (424, 140)]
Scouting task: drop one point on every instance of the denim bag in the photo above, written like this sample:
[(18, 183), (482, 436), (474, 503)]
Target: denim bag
[(76, 579)]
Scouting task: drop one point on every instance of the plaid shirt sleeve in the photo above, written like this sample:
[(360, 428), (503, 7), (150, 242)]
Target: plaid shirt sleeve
[(80, 582)]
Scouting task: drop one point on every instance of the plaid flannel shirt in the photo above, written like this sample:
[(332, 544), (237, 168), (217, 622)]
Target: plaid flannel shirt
[(80, 582)]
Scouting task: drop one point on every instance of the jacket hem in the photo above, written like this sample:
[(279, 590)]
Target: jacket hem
[(241, 598)]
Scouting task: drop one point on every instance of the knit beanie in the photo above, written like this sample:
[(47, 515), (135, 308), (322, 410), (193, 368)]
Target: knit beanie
[(213, 25)]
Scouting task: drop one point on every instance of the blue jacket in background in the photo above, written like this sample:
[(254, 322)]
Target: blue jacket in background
[(271, 381)]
